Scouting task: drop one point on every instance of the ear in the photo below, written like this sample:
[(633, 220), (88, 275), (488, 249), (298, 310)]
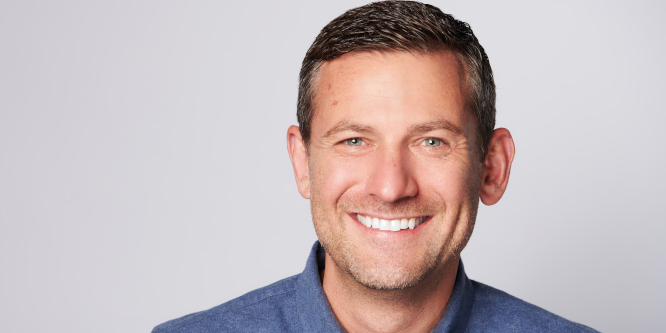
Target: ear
[(299, 160), (497, 166)]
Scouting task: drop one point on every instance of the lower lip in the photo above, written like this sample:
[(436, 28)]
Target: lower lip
[(387, 233)]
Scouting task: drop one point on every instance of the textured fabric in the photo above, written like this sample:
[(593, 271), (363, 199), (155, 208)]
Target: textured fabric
[(298, 304)]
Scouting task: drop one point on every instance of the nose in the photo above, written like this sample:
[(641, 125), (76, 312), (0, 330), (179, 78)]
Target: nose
[(392, 178)]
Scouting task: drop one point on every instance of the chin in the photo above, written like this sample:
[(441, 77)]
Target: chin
[(388, 281), (382, 274)]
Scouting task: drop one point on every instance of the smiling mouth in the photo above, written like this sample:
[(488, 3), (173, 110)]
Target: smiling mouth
[(390, 225)]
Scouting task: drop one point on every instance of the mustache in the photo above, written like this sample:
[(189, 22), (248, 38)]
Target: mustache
[(416, 206)]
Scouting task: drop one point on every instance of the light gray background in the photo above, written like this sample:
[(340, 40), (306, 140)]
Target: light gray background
[(144, 172)]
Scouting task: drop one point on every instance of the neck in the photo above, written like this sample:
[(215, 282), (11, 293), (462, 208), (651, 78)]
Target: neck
[(414, 309)]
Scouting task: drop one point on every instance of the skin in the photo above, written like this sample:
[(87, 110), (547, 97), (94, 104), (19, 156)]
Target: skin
[(391, 138)]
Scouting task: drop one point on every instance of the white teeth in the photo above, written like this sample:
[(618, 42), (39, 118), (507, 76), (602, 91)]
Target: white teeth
[(384, 225), (364, 220), (390, 225)]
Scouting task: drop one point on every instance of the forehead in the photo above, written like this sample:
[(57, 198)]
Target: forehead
[(374, 87)]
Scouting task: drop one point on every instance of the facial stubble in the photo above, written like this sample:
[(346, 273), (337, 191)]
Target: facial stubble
[(383, 273)]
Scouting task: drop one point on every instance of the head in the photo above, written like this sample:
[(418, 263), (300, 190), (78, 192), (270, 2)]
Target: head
[(409, 26), (396, 113)]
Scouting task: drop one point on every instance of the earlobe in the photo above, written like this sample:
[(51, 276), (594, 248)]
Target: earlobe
[(497, 166), (299, 160)]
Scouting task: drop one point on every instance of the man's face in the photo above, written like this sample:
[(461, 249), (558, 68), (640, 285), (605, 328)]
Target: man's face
[(391, 140)]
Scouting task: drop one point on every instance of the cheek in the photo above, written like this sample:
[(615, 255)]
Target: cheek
[(332, 178), (448, 181)]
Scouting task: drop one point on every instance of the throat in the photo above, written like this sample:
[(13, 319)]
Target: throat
[(413, 309)]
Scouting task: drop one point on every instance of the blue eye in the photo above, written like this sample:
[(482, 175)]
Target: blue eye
[(432, 142), (354, 142)]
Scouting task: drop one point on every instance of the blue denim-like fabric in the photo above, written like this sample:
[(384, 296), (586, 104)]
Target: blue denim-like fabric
[(298, 304)]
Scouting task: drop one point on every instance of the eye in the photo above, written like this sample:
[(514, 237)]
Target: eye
[(432, 142), (354, 142)]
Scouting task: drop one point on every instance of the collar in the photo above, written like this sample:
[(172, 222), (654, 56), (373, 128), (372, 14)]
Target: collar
[(316, 315)]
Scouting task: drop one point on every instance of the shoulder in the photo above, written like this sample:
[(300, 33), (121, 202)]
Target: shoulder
[(266, 309), (497, 311)]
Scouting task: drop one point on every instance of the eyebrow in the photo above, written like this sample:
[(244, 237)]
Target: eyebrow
[(345, 125), (437, 125), (444, 124)]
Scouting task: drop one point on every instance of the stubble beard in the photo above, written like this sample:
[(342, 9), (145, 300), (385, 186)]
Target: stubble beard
[(382, 273)]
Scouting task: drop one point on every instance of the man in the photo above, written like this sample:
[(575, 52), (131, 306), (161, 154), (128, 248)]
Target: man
[(395, 146)]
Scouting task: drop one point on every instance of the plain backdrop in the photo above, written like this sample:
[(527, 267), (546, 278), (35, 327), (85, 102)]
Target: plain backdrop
[(144, 173)]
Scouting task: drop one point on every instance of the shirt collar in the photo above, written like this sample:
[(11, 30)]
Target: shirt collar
[(313, 308), (316, 315)]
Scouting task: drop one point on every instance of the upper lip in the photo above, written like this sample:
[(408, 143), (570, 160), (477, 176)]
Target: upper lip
[(390, 218)]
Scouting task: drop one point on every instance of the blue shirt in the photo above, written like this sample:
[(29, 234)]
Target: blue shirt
[(298, 304)]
